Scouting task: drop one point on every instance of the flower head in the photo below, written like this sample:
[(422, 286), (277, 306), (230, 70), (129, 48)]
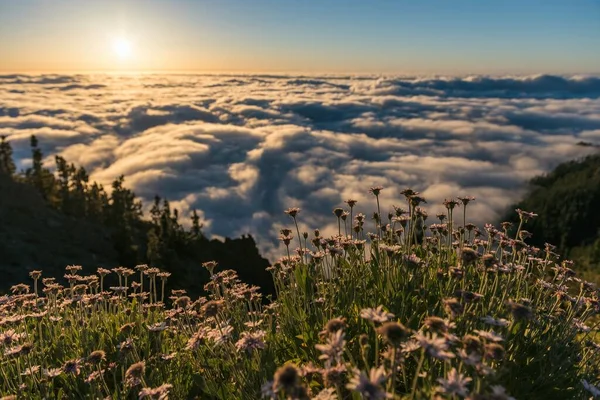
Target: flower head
[(370, 387), (134, 374), (376, 190), (378, 314), (454, 384), (159, 393)]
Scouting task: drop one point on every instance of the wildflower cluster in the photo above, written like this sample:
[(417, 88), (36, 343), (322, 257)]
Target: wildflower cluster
[(393, 306)]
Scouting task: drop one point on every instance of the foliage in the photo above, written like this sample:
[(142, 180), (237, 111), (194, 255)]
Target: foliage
[(568, 200), (459, 313)]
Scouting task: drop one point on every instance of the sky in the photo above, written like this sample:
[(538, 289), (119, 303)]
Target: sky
[(325, 36)]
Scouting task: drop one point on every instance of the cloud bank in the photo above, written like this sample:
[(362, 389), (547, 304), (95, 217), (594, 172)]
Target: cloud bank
[(241, 149)]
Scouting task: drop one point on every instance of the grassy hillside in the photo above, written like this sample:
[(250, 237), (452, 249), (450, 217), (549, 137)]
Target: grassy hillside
[(373, 315)]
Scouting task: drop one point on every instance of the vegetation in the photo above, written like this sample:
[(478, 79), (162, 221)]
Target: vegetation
[(568, 201), (454, 312), (81, 213)]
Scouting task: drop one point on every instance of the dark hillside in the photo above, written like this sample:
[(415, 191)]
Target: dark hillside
[(51, 219), (35, 236), (568, 203)]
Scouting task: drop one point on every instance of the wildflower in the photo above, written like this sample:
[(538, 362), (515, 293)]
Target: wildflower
[(394, 332), (580, 326), (210, 266), (182, 301), (52, 372), (370, 387), (338, 212), (408, 193), (494, 351), (334, 375), (468, 256), (454, 384), (466, 200), (72, 367), (473, 359), (126, 346), (97, 356), (211, 308), (31, 370), (119, 290), (525, 215), (489, 335), (292, 212), (127, 327), (437, 324), (376, 190), (20, 288), (266, 390), (335, 324), (499, 393), (351, 202), (159, 393), (286, 378), (410, 346), (377, 315), (472, 343), (221, 334), (333, 348), (453, 307), (469, 297), (326, 394), (71, 269), (434, 345), (412, 261), (164, 275), (488, 260), (94, 376), (10, 336), (168, 357), (450, 204), (35, 274), (493, 321), (134, 374), (251, 341), (158, 327), (520, 311), (196, 339)]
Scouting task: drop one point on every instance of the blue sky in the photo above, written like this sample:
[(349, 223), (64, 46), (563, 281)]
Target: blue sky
[(442, 36)]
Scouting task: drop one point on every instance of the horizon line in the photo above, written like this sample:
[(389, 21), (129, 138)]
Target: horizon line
[(332, 74)]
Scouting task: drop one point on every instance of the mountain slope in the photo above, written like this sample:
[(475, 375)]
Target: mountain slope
[(35, 236), (568, 203)]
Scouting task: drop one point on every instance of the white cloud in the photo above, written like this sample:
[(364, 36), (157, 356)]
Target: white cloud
[(241, 149)]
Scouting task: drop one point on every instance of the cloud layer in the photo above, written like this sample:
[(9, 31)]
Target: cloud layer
[(241, 149)]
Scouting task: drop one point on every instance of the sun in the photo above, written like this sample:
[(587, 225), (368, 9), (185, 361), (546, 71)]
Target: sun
[(123, 48)]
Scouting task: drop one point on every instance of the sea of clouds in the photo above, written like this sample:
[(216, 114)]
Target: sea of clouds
[(241, 149)]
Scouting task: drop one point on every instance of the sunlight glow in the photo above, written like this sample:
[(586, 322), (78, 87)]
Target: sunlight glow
[(123, 48)]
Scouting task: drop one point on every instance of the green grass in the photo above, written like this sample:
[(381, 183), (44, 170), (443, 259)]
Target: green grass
[(391, 313)]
